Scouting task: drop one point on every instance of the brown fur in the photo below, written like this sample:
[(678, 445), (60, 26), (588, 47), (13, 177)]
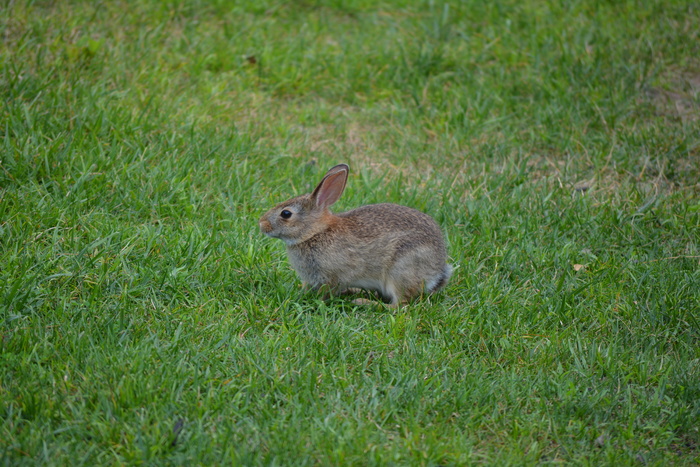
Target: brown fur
[(394, 250)]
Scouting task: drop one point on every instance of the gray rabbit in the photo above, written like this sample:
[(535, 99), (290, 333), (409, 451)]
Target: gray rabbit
[(394, 250)]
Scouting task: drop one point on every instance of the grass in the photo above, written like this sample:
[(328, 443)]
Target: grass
[(145, 320)]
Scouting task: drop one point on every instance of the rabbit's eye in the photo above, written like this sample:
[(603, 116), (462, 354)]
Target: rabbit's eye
[(286, 214)]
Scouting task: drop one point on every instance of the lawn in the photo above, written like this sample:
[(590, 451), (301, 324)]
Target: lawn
[(146, 320)]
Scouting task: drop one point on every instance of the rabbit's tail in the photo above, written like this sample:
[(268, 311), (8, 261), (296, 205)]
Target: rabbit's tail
[(440, 280)]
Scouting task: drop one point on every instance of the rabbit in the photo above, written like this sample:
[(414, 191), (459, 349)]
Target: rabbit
[(393, 250)]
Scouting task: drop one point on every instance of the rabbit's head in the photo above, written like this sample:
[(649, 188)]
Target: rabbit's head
[(298, 219)]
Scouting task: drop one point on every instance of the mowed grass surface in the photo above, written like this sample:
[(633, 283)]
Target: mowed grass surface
[(146, 320)]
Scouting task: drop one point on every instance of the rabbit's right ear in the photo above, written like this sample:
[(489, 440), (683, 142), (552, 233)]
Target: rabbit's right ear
[(331, 187)]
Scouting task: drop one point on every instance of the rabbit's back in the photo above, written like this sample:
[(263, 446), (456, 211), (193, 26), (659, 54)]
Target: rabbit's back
[(386, 220)]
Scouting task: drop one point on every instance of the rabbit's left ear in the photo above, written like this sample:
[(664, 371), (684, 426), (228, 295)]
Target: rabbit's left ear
[(331, 187)]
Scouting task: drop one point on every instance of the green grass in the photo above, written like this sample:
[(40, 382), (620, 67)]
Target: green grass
[(145, 320)]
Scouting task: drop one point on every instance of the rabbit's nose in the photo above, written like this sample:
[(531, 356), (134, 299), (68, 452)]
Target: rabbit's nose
[(265, 225)]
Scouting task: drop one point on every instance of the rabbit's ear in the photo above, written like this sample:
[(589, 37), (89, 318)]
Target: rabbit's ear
[(331, 187)]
